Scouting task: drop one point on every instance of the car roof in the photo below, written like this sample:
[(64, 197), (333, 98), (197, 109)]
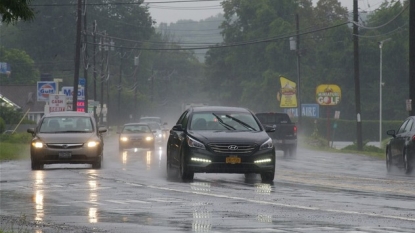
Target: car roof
[(219, 108), (68, 113), (139, 123)]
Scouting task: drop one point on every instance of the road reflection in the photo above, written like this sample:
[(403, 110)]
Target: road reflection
[(152, 158), (38, 196), (93, 197)]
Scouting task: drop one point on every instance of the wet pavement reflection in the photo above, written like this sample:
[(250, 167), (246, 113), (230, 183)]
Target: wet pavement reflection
[(132, 194)]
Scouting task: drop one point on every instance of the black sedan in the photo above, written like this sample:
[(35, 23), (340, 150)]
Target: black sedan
[(215, 139), (400, 149)]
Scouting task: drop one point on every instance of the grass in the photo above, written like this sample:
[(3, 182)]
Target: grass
[(320, 144), (14, 146)]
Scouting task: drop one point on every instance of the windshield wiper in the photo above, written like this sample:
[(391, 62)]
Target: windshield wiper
[(223, 123), (241, 122)]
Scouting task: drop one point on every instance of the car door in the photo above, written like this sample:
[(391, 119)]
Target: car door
[(398, 143), (176, 137)]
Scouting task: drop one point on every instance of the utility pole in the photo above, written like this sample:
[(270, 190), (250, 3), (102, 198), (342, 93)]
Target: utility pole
[(119, 82), (77, 56), (101, 117), (298, 70), (412, 55), (356, 75), (86, 58), (95, 71)]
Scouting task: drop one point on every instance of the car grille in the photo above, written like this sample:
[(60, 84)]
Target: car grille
[(65, 146), (228, 148)]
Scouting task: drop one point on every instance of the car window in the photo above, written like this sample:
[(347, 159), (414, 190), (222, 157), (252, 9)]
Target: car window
[(136, 129), (154, 126), (402, 128), (181, 118), (409, 125), (66, 124), (223, 121), (271, 118)]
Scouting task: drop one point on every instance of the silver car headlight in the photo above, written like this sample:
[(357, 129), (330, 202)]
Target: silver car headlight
[(123, 139), (149, 138), (37, 144), (193, 143), (266, 145), (92, 144)]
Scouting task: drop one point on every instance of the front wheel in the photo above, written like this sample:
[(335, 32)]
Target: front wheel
[(37, 165), (184, 172), (97, 164), (267, 176), (406, 162), (388, 161), (171, 172)]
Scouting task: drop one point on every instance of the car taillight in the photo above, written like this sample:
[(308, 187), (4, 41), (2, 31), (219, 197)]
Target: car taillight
[(413, 138), (295, 130)]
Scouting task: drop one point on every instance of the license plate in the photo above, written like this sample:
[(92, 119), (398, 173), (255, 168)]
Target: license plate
[(233, 160), (65, 155)]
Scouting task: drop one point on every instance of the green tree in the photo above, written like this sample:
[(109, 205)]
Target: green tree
[(22, 66), (15, 10)]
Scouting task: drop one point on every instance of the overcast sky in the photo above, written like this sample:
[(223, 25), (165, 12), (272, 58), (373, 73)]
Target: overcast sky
[(172, 12)]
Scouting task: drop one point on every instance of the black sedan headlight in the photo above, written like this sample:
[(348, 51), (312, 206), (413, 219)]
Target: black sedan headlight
[(266, 145), (195, 144)]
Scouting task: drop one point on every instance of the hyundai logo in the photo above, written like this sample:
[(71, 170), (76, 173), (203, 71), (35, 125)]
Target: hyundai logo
[(232, 147), (65, 146)]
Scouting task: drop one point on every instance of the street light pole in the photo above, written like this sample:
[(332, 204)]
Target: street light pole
[(380, 91)]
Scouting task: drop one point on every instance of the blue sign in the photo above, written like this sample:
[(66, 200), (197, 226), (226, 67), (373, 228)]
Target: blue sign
[(82, 82), (44, 88), (5, 68), (307, 110)]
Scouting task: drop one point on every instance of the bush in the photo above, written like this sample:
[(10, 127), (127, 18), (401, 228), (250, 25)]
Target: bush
[(2, 125)]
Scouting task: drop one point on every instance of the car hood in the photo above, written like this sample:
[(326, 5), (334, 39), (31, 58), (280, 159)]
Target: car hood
[(257, 137), (67, 137)]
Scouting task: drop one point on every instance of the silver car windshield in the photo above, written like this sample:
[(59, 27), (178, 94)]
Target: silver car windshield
[(66, 124), (132, 129)]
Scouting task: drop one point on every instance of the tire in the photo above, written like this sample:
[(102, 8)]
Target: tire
[(406, 162), (37, 165), (388, 161), (250, 175), (171, 172), (184, 172), (97, 164), (293, 150), (267, 176)]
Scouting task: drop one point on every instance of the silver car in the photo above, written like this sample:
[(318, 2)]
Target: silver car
[(66, 137)]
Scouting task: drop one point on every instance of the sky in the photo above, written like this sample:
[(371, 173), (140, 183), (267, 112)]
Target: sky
[(164, 12)]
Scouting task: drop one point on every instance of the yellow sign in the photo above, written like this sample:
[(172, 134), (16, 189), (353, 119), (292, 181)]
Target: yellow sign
[(328, 94), (288, 93)]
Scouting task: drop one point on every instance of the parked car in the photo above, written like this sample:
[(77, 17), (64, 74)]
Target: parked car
[(285, 135), (220, 140), (136, 135), (400, 150), (66, 137)]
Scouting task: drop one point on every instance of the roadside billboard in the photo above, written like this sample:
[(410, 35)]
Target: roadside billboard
[(288, 92), (328, 94), (44, 88), (57, 103)]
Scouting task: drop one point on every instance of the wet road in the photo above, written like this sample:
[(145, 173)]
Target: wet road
[(312, 192)]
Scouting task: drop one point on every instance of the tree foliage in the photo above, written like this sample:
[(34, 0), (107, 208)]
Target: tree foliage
[(248, 75), (12, 11)]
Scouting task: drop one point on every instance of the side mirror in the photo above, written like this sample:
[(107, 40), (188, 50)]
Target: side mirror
[(102, 130), (391, 132), (178, 127), (31, 130), (269, 128)]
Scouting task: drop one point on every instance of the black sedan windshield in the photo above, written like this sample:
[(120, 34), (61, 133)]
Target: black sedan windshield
[(223, 121)]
